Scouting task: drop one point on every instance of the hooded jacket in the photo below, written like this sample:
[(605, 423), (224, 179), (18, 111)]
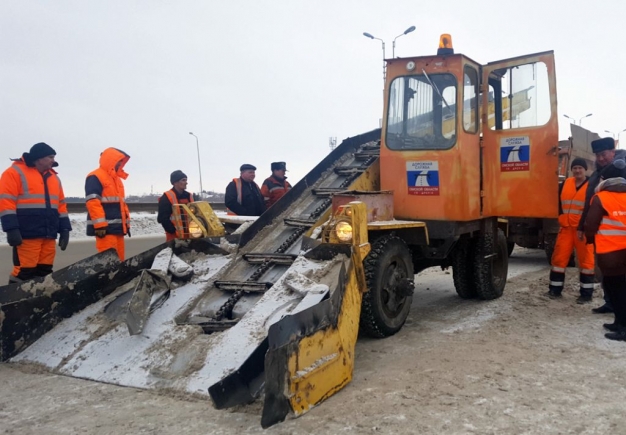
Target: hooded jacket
[(104, 194), (32, 202)]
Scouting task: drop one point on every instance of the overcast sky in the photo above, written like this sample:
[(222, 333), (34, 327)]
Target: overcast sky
[(262, 81)]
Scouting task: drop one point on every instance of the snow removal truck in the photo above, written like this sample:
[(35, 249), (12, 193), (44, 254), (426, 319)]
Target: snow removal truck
[(275, 317)]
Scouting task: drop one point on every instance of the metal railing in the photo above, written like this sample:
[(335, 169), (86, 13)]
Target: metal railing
[(150, 207)]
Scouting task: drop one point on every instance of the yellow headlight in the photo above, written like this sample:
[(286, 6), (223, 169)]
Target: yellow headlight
[(195, 231), (344, 231)]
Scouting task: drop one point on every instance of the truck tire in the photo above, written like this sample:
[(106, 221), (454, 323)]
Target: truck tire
[(549, 241), (462, 270), (491, 265), (509, 247), (389, 276)]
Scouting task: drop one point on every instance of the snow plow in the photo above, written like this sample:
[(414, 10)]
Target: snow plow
[(277, 315)]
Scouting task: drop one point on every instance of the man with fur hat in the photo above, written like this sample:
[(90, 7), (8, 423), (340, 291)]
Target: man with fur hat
[(572, 202), (174, 222), (33, 211), (243, 196), (275, 186), (605, 152), (606, 228)]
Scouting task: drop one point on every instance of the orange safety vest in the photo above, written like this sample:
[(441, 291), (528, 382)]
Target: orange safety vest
[(572, 203), (179, 220), (611, 235), (237, 182)]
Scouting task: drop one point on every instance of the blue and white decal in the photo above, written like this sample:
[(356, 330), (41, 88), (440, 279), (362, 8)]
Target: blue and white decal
[(515, 154), (423, 178)]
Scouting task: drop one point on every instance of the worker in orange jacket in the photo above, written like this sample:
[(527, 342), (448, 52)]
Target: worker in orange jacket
[(275, 186), (605, 226), (174, 221), (108, 217), (33, 211), (572, 203)]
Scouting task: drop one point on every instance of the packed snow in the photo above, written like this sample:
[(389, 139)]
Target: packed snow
[(141, 224)]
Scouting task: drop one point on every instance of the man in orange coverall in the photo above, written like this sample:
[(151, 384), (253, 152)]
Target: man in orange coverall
[(571, 207), (108, 217)]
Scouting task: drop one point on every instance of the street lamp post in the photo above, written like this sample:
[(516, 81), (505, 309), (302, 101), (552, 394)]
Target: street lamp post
[(618, 135), (580, 120), (199, 168), (611, 133), (368, 35), (393, 46)]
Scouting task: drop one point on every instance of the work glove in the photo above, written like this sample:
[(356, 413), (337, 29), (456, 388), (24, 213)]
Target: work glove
[(14, 237), (64, 239), (100, 232), (128, 232)]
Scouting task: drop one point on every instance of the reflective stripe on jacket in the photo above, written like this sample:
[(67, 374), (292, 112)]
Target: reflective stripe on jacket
[(178, 219), (273, 189), (104, 194), (611, 235), (32, 202), (572, 202)]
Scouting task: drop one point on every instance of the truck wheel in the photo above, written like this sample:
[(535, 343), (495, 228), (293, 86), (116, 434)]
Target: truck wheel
[(462, 271), (389, 276), (491, 265), (549, 241), (509, 247)]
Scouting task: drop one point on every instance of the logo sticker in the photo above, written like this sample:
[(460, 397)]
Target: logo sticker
[(515, 154), (423, 178)]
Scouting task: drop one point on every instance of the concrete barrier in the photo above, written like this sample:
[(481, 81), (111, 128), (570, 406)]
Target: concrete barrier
[(151, 207)]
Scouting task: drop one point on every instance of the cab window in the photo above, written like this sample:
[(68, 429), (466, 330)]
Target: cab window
[(519, 97), (422, 112)]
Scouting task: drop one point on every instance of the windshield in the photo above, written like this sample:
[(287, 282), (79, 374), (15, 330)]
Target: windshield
[(422, 112)]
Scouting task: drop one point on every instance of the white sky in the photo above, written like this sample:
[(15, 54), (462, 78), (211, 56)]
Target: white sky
[(262, 81)]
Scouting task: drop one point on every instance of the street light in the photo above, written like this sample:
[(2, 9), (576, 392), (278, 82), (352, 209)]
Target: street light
[(618, 134), (199, 168), (393, 46), (580, 120), (368, 35), (611, 133)]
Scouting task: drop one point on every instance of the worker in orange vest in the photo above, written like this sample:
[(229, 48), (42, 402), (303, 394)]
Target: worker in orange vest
[(243, 196), (174, 222), (275, 186), (33, 211), (572, 203), (605, 226), (108, 217)]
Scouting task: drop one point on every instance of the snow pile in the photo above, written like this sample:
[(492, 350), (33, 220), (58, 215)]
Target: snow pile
[(141, 224)]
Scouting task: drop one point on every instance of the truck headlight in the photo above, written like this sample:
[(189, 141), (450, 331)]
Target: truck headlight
[(195, 230), (344, 231)]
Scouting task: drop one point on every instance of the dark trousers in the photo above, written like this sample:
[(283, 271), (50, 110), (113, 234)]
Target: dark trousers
[(615, 286)]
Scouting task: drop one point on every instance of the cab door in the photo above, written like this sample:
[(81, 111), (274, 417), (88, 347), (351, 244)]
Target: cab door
[(519, 161)]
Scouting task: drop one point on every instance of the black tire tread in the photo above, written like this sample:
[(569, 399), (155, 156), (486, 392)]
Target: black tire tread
[(462, 270), (370, 324), (483, 269)]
